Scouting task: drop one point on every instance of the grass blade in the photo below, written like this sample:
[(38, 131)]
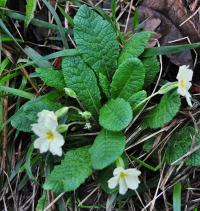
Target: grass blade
[(66, 15), (36, 22), (17, 92), (30, 9), (114, 6), (3, 3), (28, 163), (164, 50), (37, 58), (60, 28), (177, 197)]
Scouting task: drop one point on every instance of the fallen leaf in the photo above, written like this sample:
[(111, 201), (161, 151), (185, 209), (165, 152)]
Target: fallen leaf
[(167, 32)]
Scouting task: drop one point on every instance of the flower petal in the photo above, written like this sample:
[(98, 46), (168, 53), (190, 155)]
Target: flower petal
[(41, 144), (188, 99), (117, 171), (132, 182), (182, 92), (185, 73), (188, 85), (133, 172), (48, 119), (46, 114), (113, 182), (55, 150), (58, 139), (37, 143), (39, 129), (122, 186)]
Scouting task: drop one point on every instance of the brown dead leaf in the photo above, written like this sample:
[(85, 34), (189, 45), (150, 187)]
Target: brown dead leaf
[(167, 32), (177, 12)]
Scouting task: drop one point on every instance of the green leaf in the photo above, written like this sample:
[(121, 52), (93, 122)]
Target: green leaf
[(128, 79), (27, 114), (52, 77), (80, 78), (135, 46), (96, 40), (71, 173), (115, 115), (30, 9), (107, 147), (105, 84), (164, 111), (194, 158), (179, 144), (42, 203), (136, 98), (152, 68), (3, 3)]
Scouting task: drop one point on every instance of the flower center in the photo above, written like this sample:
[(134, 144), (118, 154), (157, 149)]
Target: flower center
[(182, 84), (50, 136), (123, 175)]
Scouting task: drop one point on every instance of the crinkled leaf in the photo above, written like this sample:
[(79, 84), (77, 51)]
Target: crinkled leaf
[(96, 40), (107, 147), (128, 79), (164, 111), (52, 77), (194, 158), (152, 67), (105, 84), (27, 114), (30, 9), (80, 78), (135, 46), (71, 173), (115, 115), (179, 144)]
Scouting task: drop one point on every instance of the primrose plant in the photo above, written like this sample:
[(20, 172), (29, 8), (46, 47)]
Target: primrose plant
[(100, 89)]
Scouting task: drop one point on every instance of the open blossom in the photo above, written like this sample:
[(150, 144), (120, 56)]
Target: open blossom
[(125, 178), (48, 137), (184, 78)]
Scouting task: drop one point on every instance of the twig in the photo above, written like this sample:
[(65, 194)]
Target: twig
[(54, 201)]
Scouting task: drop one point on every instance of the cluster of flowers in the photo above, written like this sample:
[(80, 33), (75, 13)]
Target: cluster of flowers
[(49, 139)]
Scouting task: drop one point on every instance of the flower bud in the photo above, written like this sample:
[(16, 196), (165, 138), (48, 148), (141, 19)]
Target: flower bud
[(62, 128), (61, 111), (85, 114), (167, 87), (70, 92), (120, 163)]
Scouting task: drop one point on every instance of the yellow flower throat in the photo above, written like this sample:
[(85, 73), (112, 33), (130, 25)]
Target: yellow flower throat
[(123, 175), (50, 136), (182, 84)]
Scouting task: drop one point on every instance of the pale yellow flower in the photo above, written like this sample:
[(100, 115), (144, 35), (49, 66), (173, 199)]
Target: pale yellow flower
[(184, 78), (125, 178), (48, 137)]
